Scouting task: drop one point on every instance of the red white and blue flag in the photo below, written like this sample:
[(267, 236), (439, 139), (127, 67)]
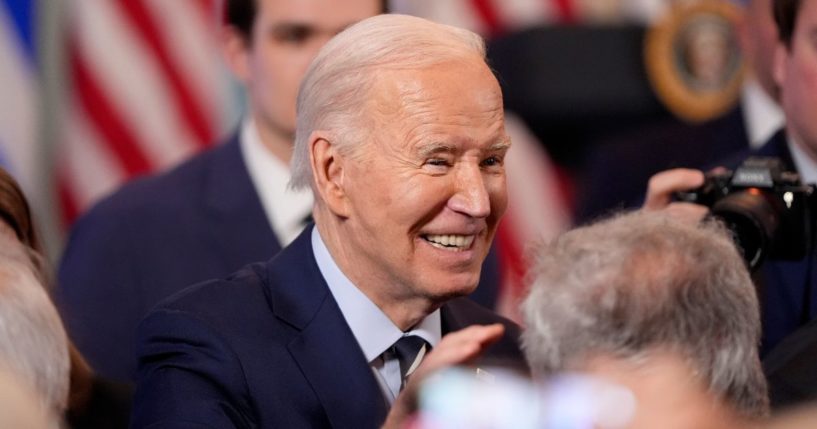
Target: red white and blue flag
[(147, 90)]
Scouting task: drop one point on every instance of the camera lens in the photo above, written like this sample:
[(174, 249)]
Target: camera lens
[(753, 219)]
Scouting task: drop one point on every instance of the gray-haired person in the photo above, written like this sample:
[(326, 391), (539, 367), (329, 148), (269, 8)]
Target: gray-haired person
[(640, 282), (33, 342), (401, 136)]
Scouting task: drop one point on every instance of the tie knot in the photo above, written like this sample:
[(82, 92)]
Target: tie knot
[(409, 350)]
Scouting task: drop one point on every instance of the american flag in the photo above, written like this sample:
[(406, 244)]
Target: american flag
[(147, 89)]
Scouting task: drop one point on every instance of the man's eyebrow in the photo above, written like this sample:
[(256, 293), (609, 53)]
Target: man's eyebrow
[(287, 28), (500, 145), (435, 148)]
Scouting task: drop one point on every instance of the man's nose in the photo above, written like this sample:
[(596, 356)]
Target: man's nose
[(471, 197)]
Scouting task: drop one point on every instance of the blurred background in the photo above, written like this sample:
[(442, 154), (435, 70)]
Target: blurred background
[(97, 92)]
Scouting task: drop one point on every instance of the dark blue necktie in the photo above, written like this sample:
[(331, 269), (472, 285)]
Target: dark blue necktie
[(408, 351)]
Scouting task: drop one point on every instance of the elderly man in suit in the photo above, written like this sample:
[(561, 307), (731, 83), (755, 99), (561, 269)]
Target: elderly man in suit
[(401, 137), (222, 209)]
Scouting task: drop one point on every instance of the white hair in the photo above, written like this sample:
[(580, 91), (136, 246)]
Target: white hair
[(641, 281), (333, 93), (33, 342)]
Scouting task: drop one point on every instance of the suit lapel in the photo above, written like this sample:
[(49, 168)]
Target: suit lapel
[(239, 225), (778, 147), (450, 321), (325, 348)]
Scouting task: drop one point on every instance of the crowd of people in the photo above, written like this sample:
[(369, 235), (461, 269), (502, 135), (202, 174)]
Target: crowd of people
[(314, 270)]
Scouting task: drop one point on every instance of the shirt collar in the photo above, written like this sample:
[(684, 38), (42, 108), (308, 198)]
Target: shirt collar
[(285, 208), (373, 330), (761, 114), (805, 165)]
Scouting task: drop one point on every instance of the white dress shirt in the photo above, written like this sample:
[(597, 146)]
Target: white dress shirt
[(761, 114), (285, 209), (805, 164), (373, 330)]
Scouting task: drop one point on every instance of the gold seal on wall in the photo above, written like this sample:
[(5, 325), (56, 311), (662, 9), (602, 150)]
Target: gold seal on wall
[(694, 61)]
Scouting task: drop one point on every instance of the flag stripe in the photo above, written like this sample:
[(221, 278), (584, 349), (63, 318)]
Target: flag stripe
[(566, 10), (147, 87), (99, 108), (22, 14), (18, 104), (189, 108), (129, 75), (88, 169), (490, 17), (190, 44)]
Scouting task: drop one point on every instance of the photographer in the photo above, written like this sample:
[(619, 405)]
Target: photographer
[(786, 288)]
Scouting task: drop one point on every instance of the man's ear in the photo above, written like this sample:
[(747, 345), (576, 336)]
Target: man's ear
[(327, 173), (236, 50), (779, 67)]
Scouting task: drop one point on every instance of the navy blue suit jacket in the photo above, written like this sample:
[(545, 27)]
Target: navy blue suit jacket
[(269, 347), (154, 237), (789, 302), (151, 239), (785, 288)]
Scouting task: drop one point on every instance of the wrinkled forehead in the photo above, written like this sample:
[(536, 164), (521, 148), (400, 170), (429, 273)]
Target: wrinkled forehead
[(464, 89)]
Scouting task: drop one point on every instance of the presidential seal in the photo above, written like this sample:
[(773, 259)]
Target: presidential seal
[(693, 60)]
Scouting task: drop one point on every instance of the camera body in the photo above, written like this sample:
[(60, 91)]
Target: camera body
[(769, 211)]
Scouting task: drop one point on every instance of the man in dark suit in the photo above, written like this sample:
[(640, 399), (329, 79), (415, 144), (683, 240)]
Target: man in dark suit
[(401, 138), (222, 209), (787, 287)]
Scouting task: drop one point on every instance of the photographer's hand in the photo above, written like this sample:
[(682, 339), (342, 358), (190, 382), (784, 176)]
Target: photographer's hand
[(663, 184)]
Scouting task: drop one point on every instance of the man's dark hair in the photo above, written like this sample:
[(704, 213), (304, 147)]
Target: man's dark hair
[(241, 14), (785, 16)]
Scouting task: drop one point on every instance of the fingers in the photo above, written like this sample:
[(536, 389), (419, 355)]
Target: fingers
[(662, 185), (456, 348), (462, 347)]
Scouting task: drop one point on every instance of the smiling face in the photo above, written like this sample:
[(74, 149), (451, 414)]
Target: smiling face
[(426, 193)]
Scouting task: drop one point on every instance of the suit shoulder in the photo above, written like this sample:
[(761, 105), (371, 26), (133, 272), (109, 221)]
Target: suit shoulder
[(240, 295), (162, 190)]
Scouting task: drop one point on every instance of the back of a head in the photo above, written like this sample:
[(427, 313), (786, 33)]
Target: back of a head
[(33, 342), (20, 408), (638, 282), (333, 93)]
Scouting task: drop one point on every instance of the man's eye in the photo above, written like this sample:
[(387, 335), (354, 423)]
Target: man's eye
[(492, 161), (295, 34), (438, 162)]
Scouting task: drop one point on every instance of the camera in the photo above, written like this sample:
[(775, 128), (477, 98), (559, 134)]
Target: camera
[(769, 211)]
